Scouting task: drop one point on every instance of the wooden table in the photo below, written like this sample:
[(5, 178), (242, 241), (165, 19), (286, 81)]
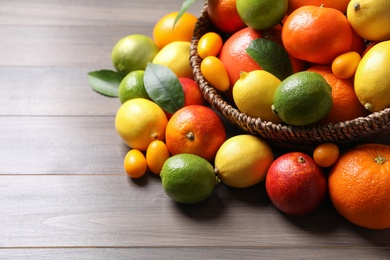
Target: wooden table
[(63, 191)]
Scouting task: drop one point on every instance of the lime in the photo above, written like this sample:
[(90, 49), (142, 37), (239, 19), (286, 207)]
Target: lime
[(243, 160), (253, 94), (188, 178), (302, 98), (262, 14), (133, 52), (132, 86)]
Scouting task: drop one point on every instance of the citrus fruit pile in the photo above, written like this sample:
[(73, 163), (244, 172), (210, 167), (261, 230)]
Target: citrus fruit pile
[(288, 62)]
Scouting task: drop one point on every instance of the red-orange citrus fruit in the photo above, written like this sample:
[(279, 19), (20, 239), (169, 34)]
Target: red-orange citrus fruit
[(295, 184), (223, 14), (196, 130)]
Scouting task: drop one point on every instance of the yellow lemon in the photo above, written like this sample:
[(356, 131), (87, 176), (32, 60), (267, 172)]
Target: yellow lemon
[(176, 56), (253, 94), (243, 161), (140, 121), (372, 82), (370, 19)]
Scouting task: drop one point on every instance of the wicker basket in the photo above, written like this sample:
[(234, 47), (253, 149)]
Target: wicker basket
[(359, 130)]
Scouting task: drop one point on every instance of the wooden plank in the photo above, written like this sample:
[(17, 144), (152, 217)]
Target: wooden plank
[(49, 91), (89, 12), (114, 211), (60, 145), (179, 253), (64, 46)]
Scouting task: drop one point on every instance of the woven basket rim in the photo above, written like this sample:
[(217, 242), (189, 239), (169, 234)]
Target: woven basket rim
[(347, 132)]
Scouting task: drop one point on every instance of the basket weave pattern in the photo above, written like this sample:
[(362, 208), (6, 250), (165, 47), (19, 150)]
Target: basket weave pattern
[(361, 129)]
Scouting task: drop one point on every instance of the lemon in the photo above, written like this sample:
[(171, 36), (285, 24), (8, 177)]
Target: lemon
[(133, 52), (370, 19), (262, 14), (132, 86), (176, 56), (302, 99), (253, 94), (140, 121), (372, 82), (188, 178), (243, 160)]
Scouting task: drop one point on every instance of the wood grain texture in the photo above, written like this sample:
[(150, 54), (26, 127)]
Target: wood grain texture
[(114, 211), (63, 191)]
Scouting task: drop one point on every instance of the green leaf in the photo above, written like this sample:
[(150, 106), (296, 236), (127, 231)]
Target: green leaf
[(163, 87), (271, 56), (186, 4), (105, 82)]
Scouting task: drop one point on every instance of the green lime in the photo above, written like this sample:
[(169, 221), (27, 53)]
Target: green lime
[(132, 86), (262, 14), (188, 178), (133, 52), (302, 98)]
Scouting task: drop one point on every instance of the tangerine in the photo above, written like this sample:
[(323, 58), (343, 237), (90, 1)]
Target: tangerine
[(166, 31), (196, 130), (359, 185), (316, 34), (340, 5), (224, 15), (346, 105)]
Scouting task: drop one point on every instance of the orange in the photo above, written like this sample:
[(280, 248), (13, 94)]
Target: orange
[(165, 31), (223, 14), (316, 34), (135, 164), (359, 185), (196, 130), (340, 5), (326, 154), (156, 155), (346, 105), (215, 73)]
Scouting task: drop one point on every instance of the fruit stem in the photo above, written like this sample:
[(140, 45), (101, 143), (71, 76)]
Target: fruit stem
[(380, 160), (356, 6), (190, 136), (301, 159)]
